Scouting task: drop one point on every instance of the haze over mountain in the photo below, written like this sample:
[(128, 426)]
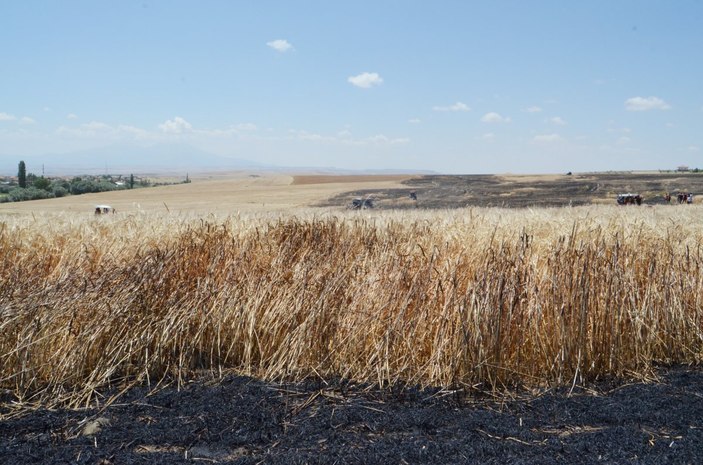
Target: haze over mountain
[(158, 158), (128, 158)]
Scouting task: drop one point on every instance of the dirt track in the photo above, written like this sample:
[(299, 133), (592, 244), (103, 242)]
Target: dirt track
[(245, 421)]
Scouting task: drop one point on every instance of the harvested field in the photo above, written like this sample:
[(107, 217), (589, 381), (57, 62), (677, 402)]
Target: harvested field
[(220, 195)]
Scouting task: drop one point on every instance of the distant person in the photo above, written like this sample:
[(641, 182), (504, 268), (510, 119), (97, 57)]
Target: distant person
[(689, 200), (97, 210)]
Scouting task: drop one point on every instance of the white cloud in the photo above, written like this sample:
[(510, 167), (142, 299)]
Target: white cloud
[(176, 125), (670, 125), (547, 138), (624, 140), (27, 120), (7, 117), (71, 116), (414, 121), (47, 108), (383, 139), (280, 45), (533, 109), (366, 80), (458, 106), (488, 136), (645, 104), (558, 121), (494, 117), (693, 148)]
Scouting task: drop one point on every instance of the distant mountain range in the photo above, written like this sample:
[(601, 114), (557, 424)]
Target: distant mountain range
[(155, 159), (124, 159)]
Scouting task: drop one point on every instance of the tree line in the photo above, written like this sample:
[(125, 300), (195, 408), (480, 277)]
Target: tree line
[(29, 186)]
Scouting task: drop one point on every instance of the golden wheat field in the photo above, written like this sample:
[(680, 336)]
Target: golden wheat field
[(456, 298)]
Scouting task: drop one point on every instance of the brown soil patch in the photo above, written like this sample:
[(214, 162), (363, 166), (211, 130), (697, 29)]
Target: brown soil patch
[(344, 179)]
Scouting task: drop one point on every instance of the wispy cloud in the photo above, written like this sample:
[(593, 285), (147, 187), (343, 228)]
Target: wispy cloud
[(27, 120), (547, 138), (558, 121), (383, 139), (71, 116), (494, 117), (488, 136), (89, 130), (366, 80), (246, 127), (345, 137), (646, 104), (414, 121), (533, 109), (7, 117), (176, 125), (280, 45), (458, 106), (620, 130)]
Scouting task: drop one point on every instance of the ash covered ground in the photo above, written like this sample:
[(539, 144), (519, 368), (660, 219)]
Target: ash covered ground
[(244, 421), (459, 191)]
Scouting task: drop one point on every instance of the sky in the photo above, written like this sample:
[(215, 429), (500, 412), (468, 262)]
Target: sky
[(449, 86)]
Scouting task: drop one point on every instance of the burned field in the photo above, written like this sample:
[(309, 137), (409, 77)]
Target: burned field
[(245, 421), (459, 191), (423, 336)]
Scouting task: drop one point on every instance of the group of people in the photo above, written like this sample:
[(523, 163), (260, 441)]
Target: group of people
[(681, 197)]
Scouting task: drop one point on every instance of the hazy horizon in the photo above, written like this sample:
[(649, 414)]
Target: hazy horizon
[(450, 87)]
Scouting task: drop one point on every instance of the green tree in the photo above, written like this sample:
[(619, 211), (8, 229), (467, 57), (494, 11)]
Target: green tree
[(22, 175), (42, 183)]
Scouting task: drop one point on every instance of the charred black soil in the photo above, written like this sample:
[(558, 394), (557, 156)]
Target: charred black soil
[(458, 191), (244, 421)]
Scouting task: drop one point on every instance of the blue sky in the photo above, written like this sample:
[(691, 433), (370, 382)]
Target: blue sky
[(450, 86)]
